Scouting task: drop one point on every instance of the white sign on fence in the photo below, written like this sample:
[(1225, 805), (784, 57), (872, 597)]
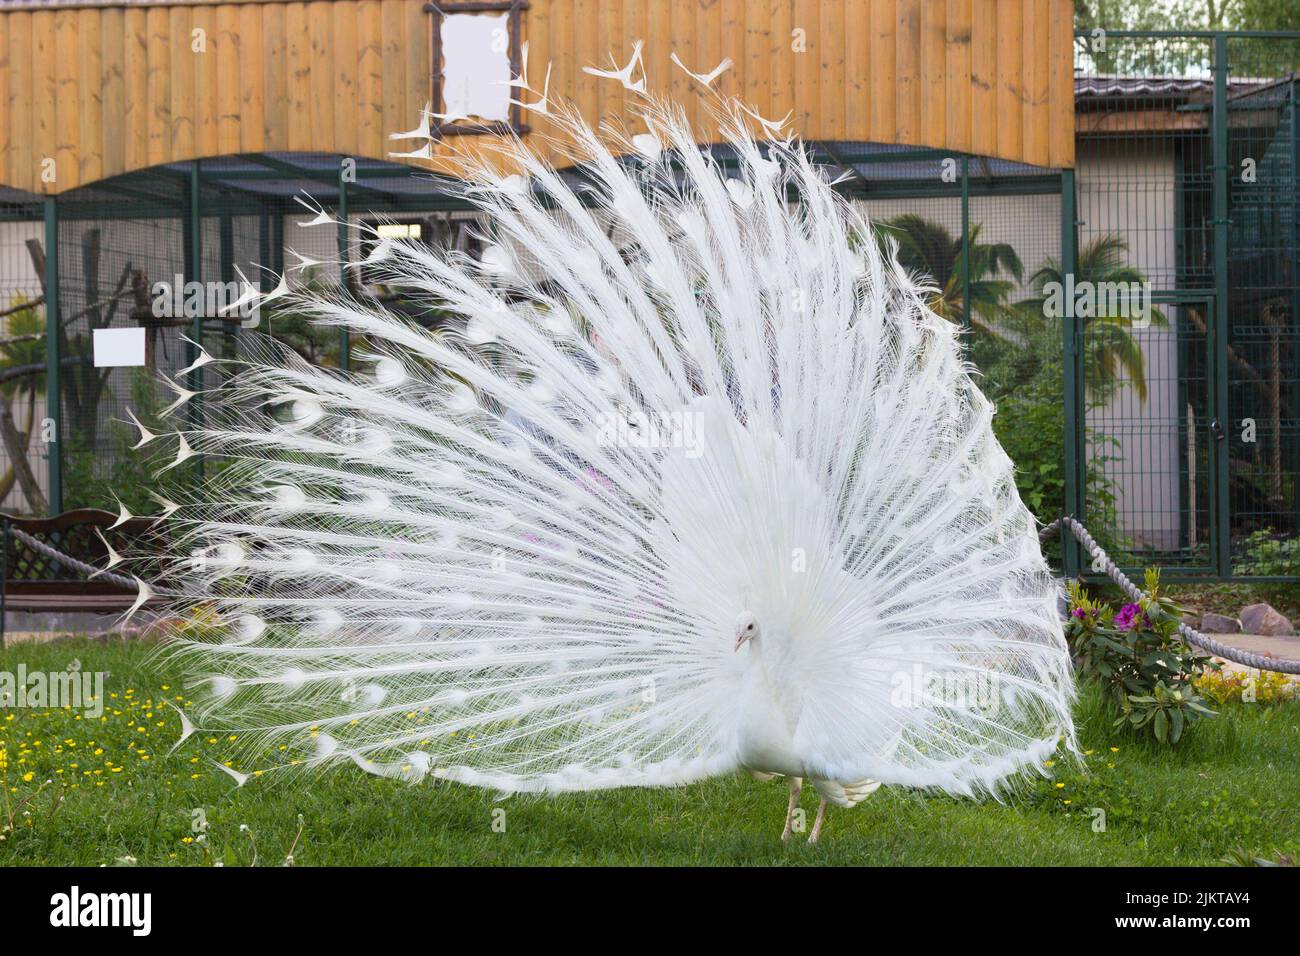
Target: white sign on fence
[(119, 347)]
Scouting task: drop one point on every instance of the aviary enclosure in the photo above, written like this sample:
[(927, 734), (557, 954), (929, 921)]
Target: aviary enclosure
[(148, 146)]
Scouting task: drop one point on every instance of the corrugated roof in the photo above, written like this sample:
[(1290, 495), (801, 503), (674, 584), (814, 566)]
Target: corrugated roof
[(1101, 85)]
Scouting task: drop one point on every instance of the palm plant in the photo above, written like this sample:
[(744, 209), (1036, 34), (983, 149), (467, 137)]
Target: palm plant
[(1111, 354), (927, 249), (21, 350)]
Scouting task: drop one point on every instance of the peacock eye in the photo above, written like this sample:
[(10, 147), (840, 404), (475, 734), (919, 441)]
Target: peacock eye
[(749, 627)]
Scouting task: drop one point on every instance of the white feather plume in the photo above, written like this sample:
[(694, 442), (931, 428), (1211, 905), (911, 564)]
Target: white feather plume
[(510, 553)]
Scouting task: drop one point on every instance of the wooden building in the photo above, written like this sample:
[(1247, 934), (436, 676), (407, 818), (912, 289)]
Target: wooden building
[(91, 89)]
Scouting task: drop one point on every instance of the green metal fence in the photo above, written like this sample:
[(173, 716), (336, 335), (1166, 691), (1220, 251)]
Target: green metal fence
[(127, 250), (1162, 411), (1186, 190)]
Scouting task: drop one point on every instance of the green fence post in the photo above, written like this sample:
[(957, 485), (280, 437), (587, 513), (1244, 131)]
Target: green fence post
[(53, 360), (1072, 383), (965, 253), (196, 275), (226, 245), (345, 340), (1220, 519), (264, 253)]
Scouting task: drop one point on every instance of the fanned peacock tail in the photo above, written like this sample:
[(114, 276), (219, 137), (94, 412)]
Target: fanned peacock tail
[(509, 552)]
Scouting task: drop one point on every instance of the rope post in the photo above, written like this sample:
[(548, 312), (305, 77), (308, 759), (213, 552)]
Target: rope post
[(1220, 515), (965, 253), (53, 360), (1072, 384), (4, 581)]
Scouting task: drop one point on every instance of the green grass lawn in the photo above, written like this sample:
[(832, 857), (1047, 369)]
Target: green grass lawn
[(91, 792)]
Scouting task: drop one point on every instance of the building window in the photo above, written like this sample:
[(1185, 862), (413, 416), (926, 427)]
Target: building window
[(477, 51)]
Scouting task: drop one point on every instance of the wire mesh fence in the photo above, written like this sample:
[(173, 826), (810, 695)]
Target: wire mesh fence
[(1138, 336), (167, 248), (1262, 360), (1186, 155), (24, 477)]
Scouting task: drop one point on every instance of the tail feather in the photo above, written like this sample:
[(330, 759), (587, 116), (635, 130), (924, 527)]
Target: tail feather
[(509, 552)]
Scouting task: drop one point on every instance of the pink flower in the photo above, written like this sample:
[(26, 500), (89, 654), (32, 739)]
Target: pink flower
[(1126, 617)]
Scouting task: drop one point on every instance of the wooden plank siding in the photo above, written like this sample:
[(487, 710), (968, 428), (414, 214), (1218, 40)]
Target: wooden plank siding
[(102, 88)]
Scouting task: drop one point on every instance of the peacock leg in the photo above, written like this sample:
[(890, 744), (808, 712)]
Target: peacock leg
[(796, 788), (817, 824)]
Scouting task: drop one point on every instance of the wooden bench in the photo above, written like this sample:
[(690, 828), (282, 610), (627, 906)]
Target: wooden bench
[(33, 581)]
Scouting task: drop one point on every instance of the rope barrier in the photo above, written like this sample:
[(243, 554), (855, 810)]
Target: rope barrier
[(36, 544), (1190, 634)]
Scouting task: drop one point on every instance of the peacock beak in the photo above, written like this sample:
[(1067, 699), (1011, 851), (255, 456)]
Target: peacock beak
[(741, 638)]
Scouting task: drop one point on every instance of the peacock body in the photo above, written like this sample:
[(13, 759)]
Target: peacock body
[(693, 481)]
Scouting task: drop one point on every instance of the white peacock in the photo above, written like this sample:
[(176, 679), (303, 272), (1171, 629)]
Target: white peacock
[(693, 482)]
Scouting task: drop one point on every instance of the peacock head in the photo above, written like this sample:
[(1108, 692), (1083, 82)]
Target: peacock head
[(746, 628)]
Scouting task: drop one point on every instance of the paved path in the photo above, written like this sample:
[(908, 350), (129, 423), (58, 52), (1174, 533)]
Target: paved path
[(1283, 647)]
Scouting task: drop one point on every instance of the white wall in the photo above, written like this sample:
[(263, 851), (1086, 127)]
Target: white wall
[(1128, 189)]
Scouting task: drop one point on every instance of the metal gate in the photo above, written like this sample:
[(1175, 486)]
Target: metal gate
[(1182, 344)]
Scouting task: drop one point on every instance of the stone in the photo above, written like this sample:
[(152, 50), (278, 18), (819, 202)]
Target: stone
[(1212, 623), (1262, 619)]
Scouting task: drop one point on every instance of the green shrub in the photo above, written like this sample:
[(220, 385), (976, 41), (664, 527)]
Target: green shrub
[(1145, 667), (1269, 556)]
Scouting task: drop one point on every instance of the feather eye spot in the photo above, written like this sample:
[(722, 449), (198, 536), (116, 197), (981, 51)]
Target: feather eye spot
[(374, 501), (326, 621), (299, 560), (462, 400), (372, 442), (249, 627), (742, 194), (513, 185), (480, 331), (496, 260), (303, 413), (648, 145), (288, 497), (450, 474), (389, 372), (455, 698), (226, 555), (222, 687)]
